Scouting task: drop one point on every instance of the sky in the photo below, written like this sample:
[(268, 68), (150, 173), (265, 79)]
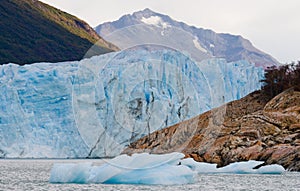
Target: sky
[(272, 26)]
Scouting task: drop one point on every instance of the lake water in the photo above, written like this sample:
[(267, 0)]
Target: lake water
[(34, 175)]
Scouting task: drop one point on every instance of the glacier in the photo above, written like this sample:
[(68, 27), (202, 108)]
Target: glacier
[(144, 168), (95, 107)]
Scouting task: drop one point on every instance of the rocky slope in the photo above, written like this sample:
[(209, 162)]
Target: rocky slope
[(246, 129), (32, 31)]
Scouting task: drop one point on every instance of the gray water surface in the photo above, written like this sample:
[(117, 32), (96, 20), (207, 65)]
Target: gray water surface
[(34, 175)]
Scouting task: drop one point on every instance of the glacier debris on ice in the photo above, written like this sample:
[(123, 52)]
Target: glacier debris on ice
[(144, 168), (97, 106)]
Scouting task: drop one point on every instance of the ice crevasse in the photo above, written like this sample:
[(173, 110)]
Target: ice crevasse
[(97, 106)]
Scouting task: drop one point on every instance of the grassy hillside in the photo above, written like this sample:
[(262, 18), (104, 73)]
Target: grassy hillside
[(32, 31)]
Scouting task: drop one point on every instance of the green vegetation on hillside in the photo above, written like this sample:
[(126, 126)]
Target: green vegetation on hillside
[(32, 31), (278, 79)]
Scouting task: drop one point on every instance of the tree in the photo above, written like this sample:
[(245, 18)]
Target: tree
[(278, 79)]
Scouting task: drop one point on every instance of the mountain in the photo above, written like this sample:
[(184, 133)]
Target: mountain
[(32, 31), (247, 129), (96, 107), (148, 27)]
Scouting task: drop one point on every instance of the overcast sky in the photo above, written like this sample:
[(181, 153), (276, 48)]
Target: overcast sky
[(273, 26)]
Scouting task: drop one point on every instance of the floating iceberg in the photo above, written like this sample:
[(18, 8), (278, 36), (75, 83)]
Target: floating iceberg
[(246, 167), (167, 169), (136, 169)]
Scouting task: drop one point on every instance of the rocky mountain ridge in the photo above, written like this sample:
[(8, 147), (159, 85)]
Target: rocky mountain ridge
[(149, 27)]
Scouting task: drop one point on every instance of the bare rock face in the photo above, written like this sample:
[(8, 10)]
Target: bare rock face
[(247, 129)]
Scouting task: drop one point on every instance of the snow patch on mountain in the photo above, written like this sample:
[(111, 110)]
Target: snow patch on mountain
[(156, 21), (198, 46)]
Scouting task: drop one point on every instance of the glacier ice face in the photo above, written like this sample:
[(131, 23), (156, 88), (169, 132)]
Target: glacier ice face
[(156, 89), (95, 107), (144, 168), (36, 118)]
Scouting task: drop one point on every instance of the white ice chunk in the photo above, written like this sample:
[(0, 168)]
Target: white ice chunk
[(144, 168), (246, 167), (200, 167), (136, 169), (271, 169), (165, 174), (241, 167), (75, 173)]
